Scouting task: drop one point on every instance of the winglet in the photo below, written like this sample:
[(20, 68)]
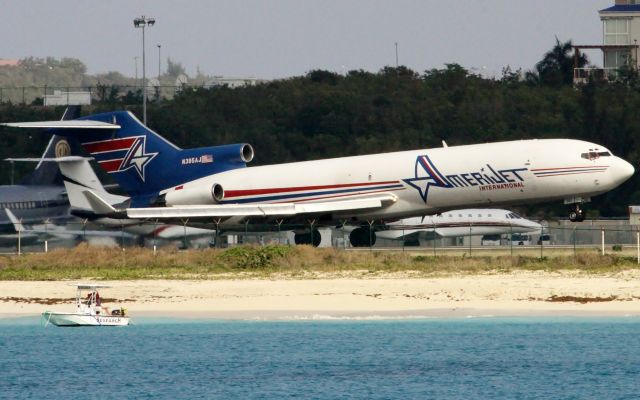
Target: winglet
[(98, 205), (17, 225)]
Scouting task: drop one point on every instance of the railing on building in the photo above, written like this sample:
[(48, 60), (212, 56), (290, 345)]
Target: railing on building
[(582, 75)]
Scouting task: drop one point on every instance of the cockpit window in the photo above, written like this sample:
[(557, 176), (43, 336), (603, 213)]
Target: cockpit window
[(513, 216), (594, 155)]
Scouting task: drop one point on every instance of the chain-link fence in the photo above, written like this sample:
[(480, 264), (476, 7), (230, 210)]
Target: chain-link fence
[(562, 238)]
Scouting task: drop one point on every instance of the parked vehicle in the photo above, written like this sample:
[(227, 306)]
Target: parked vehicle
[(545, 239), (520, 239), (491, 240)]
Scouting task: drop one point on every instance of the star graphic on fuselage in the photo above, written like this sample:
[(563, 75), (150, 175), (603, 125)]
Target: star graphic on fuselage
[(137, 158), (425, 176), (422, 184)]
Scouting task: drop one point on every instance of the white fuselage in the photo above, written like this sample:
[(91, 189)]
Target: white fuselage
[(425, 181), (465, 222)]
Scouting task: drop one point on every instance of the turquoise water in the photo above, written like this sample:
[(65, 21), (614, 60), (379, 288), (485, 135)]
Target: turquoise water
[(578, 358)]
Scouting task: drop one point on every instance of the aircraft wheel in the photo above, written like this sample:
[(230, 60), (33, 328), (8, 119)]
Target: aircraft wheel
[(306, 238), (576, 214), (360, 237)]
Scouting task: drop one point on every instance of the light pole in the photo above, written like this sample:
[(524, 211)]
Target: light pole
[(142, 22), (159, 69), (397, 71), (396, 55), (135, 59)]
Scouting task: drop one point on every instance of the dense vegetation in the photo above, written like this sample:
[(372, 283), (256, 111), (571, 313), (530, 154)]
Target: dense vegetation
[(325, 114), (289, 262)]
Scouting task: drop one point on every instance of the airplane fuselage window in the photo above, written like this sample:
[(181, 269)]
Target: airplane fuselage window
[(593, 155)]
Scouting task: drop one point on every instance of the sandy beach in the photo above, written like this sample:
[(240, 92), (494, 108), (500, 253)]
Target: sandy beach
[(517, 293)]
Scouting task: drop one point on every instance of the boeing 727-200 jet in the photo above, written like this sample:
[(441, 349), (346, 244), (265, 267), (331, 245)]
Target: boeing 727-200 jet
[(212, 185)]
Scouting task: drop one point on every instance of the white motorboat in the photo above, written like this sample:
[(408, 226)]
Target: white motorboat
[(89, 311)]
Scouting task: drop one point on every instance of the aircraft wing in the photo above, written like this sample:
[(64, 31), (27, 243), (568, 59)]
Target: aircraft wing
[(365, 202), (68, 124)]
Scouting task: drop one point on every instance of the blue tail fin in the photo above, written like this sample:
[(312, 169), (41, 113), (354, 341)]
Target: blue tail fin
[(144, 163)]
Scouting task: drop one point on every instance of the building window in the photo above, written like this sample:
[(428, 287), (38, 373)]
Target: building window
[(616, 31), (616, 59)]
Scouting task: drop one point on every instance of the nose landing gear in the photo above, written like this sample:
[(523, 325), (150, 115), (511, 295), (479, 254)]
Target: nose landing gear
[(576, 213)]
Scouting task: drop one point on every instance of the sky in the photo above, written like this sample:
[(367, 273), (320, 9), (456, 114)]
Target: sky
[(281, 38)]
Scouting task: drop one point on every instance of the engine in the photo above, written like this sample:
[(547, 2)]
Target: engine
[(233, 153), (206, 161), (195, 195)]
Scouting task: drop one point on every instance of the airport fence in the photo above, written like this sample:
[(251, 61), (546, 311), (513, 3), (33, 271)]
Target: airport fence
[(557, 239)]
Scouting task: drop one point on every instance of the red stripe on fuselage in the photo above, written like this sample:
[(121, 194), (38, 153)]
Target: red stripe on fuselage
[(252, 192), (553, 169), (109, 145), (569, 173)]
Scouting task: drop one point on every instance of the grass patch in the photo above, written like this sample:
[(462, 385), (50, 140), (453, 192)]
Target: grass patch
[(84, 262)]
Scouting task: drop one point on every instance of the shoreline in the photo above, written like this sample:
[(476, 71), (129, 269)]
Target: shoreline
[(519, 293)]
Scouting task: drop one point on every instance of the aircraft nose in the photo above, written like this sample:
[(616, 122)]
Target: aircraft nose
[(623, 170)]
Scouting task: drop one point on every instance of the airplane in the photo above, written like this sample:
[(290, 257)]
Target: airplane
[(78, 175), (213, 185), (465, 222)]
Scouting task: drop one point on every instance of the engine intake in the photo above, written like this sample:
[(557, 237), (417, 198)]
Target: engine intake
[(217, 192), (247, 153)]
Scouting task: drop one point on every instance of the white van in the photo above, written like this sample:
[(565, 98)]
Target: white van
[(491, 240), (521, 239), (545, 239)]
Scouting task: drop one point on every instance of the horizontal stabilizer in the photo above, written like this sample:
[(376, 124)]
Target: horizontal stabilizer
[(73, 124), (262, 210), (98, 205)]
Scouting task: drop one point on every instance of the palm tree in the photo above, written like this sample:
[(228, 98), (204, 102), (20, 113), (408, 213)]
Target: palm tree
[(556, 67)]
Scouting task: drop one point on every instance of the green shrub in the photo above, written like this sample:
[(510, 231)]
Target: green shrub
[(249, 257)]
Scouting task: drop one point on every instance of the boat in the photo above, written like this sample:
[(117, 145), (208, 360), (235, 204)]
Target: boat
[(89, 310)]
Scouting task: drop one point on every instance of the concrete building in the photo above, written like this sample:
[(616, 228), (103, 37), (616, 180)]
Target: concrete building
[(620, 38), (60, 98)]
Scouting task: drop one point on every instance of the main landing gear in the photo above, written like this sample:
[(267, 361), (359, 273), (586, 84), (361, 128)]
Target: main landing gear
[(312, 237), (576, 213)]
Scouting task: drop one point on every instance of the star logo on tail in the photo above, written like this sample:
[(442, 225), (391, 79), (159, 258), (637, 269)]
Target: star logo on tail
[(426, 176), (137, 158)]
